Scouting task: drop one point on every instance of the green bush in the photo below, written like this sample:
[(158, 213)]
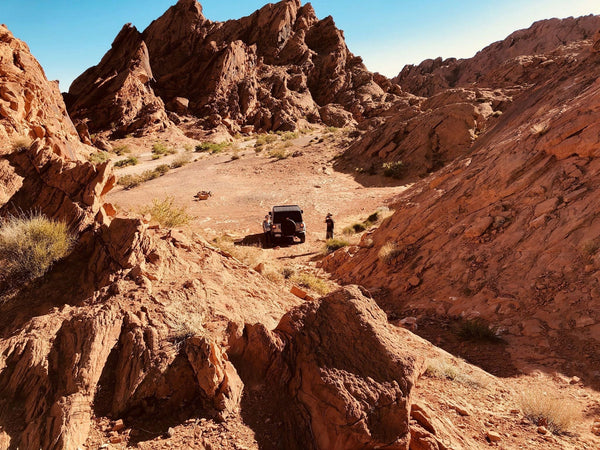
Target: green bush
[(181, 161), (98, 157), (212, 147), (334, 244), (166, 213), (121, 150), (393, 169), (129, 161), (30, 244), (161, 149)]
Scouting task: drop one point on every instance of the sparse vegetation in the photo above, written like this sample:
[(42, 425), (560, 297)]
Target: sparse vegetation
[(98, 157), (445, 368), (289, 135), (393, 169), (388, 252), (30, 244), (332, 129), (212, 147), (278, 153), (476, 330), (166, 213), (548, 410), (235, 156), (131, 181), (312, 282), (129, 161), (331, 245), (20, 145), (359, 227), (181, 161), (121, 150), (264, 139), (160, 149)]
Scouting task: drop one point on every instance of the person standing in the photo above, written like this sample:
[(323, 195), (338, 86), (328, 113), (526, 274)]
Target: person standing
[(330, 225), (267, 230)]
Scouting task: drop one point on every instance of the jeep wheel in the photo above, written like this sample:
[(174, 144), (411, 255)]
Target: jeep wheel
[(288, 227), (302, 237)]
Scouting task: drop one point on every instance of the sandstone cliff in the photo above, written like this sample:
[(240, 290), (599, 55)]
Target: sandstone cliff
[(268, 70), (496, 65), (509, 232)]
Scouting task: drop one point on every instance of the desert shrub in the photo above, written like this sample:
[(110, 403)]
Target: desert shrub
[(264, 139), (121, 150), (98, 157), (388, 252), (446, 369), (312, 282), (188, 148), (129, 181), (235, 156), (331, 245), (166, 213), (181, 161), (160, 149), (162, 169), (30, 244), (278, 153), (289, 135), (287, 272), (129, 161), (20, 145), (476, 330), (546, 409), (212, 147), (332, 129), (393, 169)]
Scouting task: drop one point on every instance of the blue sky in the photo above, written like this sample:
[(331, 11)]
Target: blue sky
[(69, 36)]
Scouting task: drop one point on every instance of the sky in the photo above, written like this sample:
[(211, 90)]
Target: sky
[(69, 36)]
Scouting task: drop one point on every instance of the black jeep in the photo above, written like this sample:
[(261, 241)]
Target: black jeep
[(287, 222)]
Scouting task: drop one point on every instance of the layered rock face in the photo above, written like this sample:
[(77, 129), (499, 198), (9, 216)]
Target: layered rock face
[(268, 70), (456, 102), (496, 65), (314, 363), (31, 107), (517, 216), (116, 93)]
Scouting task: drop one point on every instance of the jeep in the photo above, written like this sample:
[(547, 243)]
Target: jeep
[(287, 222)]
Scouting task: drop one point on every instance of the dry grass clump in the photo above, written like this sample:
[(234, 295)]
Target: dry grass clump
[(331, 245), (160, 149), (30, 244), (166, 213), (548, 410), (394, 169), (181, 161), (98, 157), (279, 153), (312, 282), (212, 147), (129, 161), (448, 369), (20, 145), (131, 181), (121, 150), (388, 252)]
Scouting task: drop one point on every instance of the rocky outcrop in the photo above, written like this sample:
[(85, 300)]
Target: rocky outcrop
[(498, 64), (314, 363), (31, 107), (518, 217), (117, 94), (423, 135), (268, 70)]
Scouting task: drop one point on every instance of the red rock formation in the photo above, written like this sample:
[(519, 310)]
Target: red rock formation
[(268, 70), (117, 94), (315, 364), (491, 66), (518, 218), (31, 107)]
